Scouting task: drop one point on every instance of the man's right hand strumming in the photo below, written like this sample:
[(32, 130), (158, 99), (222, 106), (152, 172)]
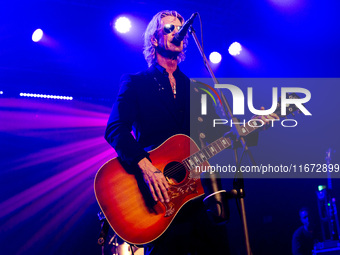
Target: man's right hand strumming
[(155, 179)]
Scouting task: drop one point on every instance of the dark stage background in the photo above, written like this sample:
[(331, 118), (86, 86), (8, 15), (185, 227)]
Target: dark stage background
[(51, 149)]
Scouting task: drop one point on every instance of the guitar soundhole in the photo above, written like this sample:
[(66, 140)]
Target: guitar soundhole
[(175, 172)]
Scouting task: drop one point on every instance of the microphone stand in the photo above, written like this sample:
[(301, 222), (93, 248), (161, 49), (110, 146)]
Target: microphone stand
[(238, 183)]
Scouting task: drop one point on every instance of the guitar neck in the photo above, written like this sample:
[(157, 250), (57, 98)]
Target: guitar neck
[(217, 146), (225, 142)]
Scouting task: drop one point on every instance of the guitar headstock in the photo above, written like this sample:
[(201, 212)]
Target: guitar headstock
[(290, 108)]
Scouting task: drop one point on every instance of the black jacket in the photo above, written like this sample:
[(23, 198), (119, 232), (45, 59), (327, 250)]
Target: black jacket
[(146, 105)]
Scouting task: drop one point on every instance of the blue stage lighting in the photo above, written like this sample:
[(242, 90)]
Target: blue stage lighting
[(123, 25), (37, 35), (235, 49), (215, 57)]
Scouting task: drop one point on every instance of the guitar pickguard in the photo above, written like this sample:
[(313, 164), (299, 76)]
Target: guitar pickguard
[(177, 193)]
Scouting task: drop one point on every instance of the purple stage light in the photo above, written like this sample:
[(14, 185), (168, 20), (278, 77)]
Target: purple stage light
[(51, 115), (215, 57), (123, 25), (78, 128), (37, 35)]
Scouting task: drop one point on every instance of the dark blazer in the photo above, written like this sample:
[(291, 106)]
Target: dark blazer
[(146, 105)]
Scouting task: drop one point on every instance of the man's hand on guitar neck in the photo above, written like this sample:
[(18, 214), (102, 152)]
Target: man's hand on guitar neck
[(155, 179), (267, 118)]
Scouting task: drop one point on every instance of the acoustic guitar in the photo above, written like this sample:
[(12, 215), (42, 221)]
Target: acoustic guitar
[(126, 201)]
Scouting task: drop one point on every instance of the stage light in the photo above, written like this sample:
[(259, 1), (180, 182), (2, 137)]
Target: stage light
[(72, 148), (123, 25), (235, 49), (1, 92), (321, 187), (46, 96), (215, 57), (37, 35)]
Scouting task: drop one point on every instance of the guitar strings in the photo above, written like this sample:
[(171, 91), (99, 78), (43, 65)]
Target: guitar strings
[(177, 168), (170, 172)]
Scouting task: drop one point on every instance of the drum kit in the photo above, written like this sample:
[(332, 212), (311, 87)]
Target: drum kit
[(113, 244), (126, 249)]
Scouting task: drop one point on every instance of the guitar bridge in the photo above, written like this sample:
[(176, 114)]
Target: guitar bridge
[(177, 194)]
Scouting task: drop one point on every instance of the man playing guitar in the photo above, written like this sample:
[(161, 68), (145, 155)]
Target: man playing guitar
[(155, 105)]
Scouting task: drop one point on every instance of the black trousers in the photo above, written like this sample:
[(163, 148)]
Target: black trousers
[(191, 233)]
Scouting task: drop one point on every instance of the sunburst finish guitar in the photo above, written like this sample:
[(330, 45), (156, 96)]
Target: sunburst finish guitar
[(126, 200)]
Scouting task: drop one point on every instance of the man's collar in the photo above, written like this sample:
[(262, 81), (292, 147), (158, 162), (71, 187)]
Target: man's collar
[(163, 70), (160, 68)]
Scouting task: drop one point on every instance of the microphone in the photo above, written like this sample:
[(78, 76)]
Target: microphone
[(179, 36)]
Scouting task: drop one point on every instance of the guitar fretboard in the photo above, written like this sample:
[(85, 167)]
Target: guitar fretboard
[(222, 143), (217, 146)]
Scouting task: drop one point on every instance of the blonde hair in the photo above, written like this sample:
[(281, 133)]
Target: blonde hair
[(151, 31)]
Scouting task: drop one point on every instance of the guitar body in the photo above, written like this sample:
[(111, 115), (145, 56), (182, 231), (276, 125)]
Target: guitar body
[(125, 198), (127, 202)]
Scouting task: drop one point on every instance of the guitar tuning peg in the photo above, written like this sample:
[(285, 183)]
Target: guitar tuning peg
[(293, 114)]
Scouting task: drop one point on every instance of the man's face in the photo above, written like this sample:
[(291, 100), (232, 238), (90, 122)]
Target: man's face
[(304, 218), (165, 40)]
